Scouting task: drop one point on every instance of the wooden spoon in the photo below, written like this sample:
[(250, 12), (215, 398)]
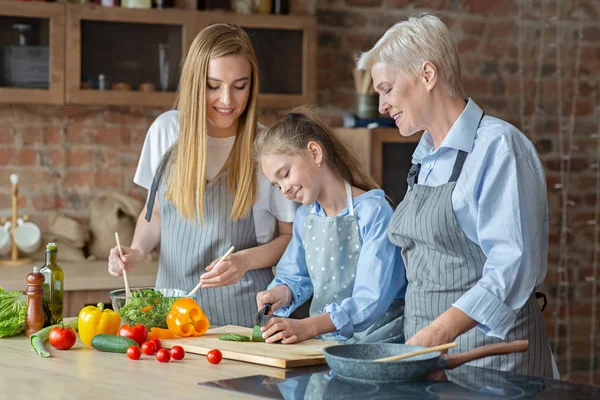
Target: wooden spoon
[(417, 352)]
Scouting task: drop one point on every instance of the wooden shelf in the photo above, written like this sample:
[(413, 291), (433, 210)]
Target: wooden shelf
[(55, 14), (84, 43)]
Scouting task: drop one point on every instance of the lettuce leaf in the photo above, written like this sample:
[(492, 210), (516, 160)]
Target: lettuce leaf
[(13, 312)]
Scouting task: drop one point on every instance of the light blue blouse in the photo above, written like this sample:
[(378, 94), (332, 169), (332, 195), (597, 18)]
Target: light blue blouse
[(500, 203), (380, 274)]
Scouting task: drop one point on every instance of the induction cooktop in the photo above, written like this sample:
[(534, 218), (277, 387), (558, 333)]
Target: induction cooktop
[(471, 383)]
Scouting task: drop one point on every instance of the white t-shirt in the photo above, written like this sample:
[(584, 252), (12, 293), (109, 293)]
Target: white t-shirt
[(270, 204)]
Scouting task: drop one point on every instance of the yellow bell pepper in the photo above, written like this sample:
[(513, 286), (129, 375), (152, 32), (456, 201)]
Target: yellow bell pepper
[(94, 320), (186, 318)]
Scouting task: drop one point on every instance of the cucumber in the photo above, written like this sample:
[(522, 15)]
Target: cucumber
[(257, 334), (112, 343), (234, 337)]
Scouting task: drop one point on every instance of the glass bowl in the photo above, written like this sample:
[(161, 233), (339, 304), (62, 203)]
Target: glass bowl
[(147, 305)]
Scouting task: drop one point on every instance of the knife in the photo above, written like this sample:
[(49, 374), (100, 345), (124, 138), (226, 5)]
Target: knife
[(261, 314)]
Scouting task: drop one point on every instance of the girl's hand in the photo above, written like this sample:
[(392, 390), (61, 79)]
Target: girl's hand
[(230, 271), (287, 330), (116, 264), (279, 296)]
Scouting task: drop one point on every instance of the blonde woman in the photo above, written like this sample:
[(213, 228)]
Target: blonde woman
[(205, 192), (473, 226)]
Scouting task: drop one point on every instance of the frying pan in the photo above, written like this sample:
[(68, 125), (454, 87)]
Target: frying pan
[(355, 361)]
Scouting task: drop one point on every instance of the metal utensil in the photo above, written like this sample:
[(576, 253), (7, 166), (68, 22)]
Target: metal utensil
[(356, 361), (259, 317)]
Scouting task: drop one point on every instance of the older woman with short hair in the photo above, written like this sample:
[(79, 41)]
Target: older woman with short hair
[(473, 226)]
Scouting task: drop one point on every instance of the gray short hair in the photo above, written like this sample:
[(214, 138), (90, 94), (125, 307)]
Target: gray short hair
[(408, 44)]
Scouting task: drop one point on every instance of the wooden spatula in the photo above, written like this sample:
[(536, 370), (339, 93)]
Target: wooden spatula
[(417, 352)]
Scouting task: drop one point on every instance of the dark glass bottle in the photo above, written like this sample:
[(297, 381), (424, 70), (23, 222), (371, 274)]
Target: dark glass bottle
[(54, 282)]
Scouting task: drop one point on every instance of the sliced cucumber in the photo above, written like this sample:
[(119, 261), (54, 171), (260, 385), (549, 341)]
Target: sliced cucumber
[(234, 337), (112, 343)]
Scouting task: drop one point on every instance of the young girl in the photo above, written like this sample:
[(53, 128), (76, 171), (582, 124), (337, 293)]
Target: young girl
[(339, 252), (207, 194)]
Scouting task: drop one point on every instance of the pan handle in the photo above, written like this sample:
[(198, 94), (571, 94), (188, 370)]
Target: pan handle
[(458, 359)]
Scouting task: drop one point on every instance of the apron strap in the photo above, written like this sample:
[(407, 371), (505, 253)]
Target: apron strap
[(155, 183), (413, 175), (458, 164), (349, 198)]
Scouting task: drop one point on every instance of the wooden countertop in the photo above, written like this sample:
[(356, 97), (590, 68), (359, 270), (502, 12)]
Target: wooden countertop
[(82, 276), (84, 373)]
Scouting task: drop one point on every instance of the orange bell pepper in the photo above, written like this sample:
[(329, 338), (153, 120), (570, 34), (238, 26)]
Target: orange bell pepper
[(186, 318), (160, 333)]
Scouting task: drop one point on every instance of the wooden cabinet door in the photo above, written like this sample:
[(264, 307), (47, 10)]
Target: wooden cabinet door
[(122, 45), (32, 72)]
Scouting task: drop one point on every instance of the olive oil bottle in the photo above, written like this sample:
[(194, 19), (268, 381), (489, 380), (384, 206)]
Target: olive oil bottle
[(54, 281)]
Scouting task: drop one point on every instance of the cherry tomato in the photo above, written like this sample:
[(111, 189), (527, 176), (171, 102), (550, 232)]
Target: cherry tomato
[(148, 348), (62, 338), (177, 353), (139, 332), (163, 355), (133, 353), (214, 356), (157, 344)]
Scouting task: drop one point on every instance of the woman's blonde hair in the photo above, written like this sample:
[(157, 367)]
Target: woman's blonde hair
[(187, 164), (292, 134), (408, 44)]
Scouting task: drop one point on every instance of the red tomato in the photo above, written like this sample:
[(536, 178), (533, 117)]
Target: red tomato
[(163, 355), (148, 348), (214, 356), (62, 338), (133, 353), (177, 353), (156, 343), (139, 333)]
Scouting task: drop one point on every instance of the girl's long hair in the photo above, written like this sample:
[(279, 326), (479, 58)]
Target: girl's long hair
[(187, 164), (292, 134)]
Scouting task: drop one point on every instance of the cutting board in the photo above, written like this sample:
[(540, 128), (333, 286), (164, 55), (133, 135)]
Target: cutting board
[(309, 352)]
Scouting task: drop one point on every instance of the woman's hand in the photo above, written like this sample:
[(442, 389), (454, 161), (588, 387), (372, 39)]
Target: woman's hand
[(287, 330), (230, 271), (116, 264), (279, 296), (428, 337)]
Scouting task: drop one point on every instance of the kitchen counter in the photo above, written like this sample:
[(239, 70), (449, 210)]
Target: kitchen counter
[(84, 373), (86, 282)]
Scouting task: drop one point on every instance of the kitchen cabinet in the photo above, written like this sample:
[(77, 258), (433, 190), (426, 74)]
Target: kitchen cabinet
[(32, 63), (285, 47), (112, 55), (112, 48), (384, 153)]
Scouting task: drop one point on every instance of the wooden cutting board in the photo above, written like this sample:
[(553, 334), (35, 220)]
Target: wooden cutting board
[(302, 354)]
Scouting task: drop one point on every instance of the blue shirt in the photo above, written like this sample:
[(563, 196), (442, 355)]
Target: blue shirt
[(380, 274), (500, 202)]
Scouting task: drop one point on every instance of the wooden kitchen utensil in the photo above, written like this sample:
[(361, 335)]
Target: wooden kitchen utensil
[(14, 253), (199, 285), (416, 353), (309, 352), (127, 290)]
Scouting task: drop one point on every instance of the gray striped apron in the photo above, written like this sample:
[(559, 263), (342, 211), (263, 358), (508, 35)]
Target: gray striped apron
[(332, 246), (186, 248), (442, 263)]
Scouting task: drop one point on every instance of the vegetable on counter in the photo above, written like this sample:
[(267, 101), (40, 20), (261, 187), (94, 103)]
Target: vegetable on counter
[(96, 320), (148, 307), (62, 337), (133, 353), (186, 318), (160, 333), (37, 339), (13, 311), (214, 356), (163, 355), (112, 343), (138, 332), (235, 337), (177, 353)]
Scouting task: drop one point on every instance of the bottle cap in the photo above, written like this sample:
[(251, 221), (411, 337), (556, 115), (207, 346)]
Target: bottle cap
[(51, 247)]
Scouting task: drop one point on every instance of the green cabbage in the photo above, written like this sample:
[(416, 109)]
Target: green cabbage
[(13, 312)]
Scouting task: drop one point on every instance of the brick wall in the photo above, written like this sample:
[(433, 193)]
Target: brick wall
[(67, 154)]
